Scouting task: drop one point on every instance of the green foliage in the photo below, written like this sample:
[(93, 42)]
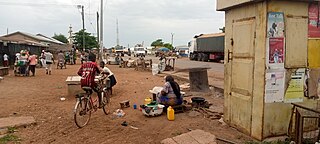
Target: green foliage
[(61, 38), (168, 45), (90, 41), (9, 138), (157, 43), (11, 129)]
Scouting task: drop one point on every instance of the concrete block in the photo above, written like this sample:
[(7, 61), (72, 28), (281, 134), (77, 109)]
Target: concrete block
[(16, 121), (202, 137), (185, 139), (168, 141)]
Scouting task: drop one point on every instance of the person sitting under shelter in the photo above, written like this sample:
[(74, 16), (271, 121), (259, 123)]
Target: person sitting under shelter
[(170, 94)]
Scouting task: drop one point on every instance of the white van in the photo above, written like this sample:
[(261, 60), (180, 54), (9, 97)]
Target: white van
[(139, 51)]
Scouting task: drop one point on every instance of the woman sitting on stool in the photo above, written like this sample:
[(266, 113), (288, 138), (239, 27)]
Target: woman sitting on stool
[(170, 94)]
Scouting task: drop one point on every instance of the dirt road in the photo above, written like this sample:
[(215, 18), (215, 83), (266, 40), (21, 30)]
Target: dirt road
[(39, 97)]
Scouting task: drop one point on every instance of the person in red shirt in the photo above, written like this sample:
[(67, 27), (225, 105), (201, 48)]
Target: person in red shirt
[(88, 72)]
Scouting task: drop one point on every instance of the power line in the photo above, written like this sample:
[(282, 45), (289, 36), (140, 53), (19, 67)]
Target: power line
[(36, 4)]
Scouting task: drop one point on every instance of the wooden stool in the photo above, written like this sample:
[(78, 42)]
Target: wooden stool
[(178, 109)]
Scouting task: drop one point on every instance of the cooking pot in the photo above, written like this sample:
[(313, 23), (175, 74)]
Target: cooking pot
[(198, 100)]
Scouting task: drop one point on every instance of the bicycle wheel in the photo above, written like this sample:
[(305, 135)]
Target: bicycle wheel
[(106, 101), (82, 112)]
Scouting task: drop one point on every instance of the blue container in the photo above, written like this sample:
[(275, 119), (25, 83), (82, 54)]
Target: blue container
[(134, 106)]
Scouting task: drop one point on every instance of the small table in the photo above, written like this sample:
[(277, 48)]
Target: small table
[(168, 61), (198, 78)]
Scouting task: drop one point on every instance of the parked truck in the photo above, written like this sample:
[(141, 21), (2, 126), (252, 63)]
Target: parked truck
[(207, 47)]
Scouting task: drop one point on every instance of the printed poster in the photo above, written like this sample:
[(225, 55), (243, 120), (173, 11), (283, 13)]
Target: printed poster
[(314, 23), (274, 90), (313, 88), (275, 53), (295, 90), (275, 25)]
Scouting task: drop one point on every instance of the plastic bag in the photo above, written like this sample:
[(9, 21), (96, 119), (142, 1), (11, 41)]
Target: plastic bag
[(155, 69)]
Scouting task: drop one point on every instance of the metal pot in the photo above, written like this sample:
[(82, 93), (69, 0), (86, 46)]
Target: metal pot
[(198, 100)]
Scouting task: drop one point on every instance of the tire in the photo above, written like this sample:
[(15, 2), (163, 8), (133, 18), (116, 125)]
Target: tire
[(191, 57), (199, 58), (82, 112), (106, 102), (205, 57)]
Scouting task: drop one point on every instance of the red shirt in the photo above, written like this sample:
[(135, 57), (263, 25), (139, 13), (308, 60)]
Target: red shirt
[(87, 72)]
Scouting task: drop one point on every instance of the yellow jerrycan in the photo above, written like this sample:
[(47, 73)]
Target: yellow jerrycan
[(147, 100), (170, 113)]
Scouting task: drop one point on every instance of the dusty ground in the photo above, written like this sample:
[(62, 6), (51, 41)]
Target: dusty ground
[(39, 97)]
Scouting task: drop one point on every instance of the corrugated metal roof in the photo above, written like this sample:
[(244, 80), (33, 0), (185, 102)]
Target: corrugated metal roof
[(37, 37), (49, 38), (19, 41)]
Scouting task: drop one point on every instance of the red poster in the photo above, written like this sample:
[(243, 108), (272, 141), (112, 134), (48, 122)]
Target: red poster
[(276, 50), (314, 21)]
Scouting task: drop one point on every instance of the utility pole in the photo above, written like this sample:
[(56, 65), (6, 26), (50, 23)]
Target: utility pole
[(101, 28), (7, 31), (83, 39), (99, 56), (172, 34), (98, 39), (117, 33)]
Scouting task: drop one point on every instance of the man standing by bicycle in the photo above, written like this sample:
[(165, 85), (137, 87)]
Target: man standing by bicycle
[(88, 72)]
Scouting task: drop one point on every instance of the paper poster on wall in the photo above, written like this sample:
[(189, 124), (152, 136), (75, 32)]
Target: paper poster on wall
[(313, 79), (275, 24), (314, 21), (274, 90), (295, 90), (275, 53)]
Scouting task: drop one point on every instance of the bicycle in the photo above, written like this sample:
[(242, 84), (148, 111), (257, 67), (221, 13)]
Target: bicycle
[(86, 105)]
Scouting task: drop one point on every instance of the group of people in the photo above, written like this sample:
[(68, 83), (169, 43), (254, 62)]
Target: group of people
[(25, 63), (169, 96)]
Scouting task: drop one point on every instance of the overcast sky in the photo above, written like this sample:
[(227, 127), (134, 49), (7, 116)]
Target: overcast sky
[(139, 20)]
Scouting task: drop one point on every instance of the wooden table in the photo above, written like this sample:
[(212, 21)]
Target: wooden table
[(170, 62)]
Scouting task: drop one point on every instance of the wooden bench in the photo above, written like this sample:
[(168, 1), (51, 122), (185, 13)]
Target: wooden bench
[(4, 71), (74, 87)]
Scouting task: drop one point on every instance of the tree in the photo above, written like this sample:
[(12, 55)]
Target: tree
[(168, 45), (60, 37), (90, 41), (157, 43)]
